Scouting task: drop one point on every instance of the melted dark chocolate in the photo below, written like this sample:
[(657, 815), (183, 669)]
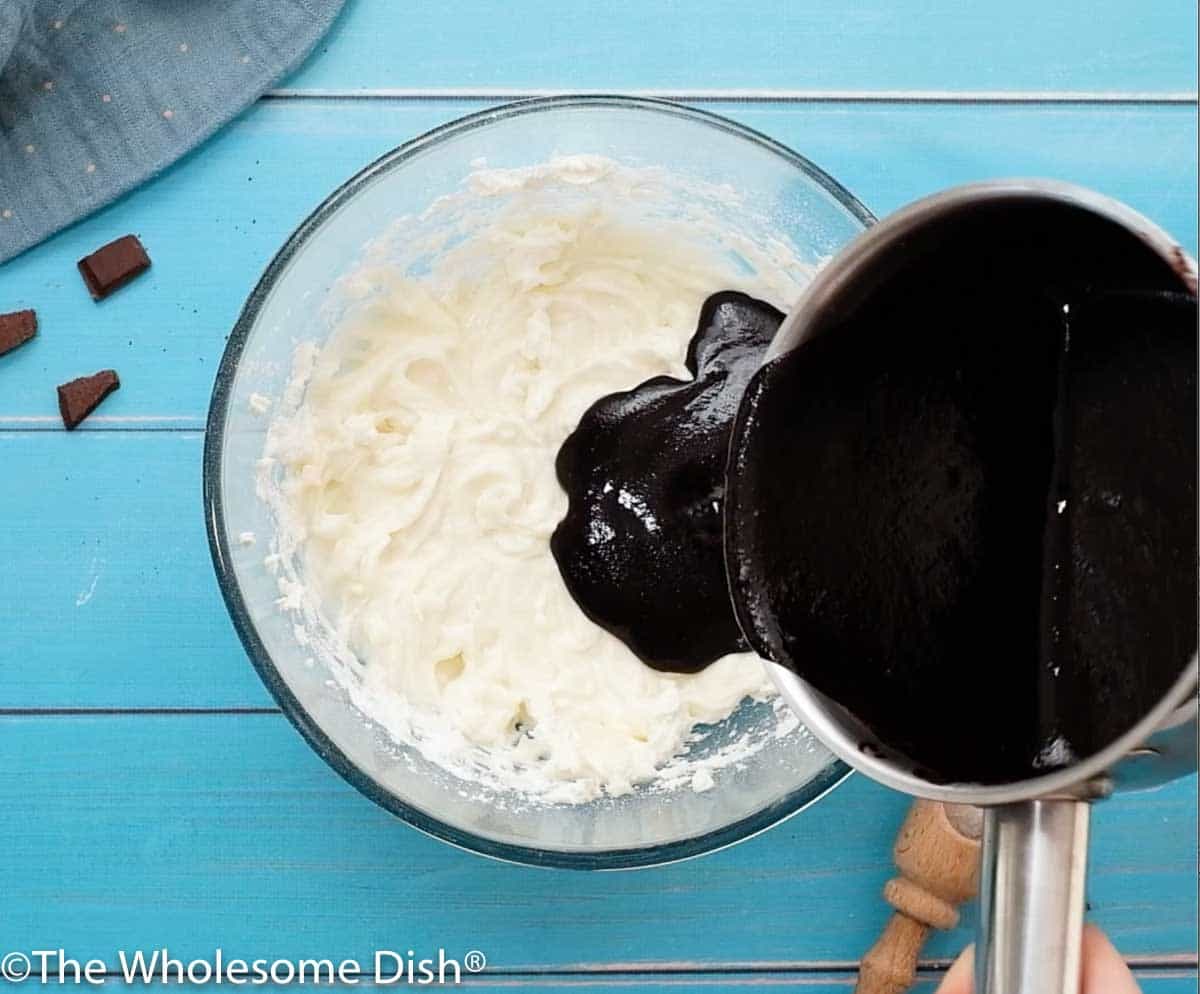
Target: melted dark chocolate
[(640, 548), (965, 510)]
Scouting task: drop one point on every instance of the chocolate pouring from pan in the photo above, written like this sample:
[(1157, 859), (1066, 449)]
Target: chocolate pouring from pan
[(1031, 617)]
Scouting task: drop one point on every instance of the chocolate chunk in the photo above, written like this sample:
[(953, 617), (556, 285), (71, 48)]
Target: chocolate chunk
[(113, 265), (77, 399), (640, 546), (16, 329)]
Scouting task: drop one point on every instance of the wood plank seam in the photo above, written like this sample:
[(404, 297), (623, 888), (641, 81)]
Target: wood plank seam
[(92, 712), (927, 971), (98, 424), (738, 95), (1145, 963)]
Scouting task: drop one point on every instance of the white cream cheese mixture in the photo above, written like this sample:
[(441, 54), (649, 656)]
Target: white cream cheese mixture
[(416, 477)]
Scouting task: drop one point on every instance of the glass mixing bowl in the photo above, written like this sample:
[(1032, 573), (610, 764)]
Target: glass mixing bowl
[(783, 196)]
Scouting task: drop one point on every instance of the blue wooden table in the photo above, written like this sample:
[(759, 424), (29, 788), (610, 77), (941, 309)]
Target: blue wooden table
[(150, 793)]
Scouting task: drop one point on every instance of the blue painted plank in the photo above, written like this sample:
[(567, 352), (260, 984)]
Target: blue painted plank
[(213, 222), (802, 44), (1180, 983), (112, 599), (203, 831)]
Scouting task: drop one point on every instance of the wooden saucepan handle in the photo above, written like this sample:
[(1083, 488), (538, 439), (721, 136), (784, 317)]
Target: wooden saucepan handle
[(937, 854)]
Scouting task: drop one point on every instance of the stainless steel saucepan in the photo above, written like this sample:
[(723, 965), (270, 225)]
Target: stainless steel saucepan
[(1036, 830)]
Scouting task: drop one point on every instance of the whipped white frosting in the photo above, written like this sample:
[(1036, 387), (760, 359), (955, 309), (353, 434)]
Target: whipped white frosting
[(418, 478)]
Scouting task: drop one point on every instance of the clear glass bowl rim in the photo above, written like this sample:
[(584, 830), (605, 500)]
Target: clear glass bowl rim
[(219, 545)]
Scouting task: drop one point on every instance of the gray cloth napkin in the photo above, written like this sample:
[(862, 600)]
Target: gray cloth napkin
[(97, 96)]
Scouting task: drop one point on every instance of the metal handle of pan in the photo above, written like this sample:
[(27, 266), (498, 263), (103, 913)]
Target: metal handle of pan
[(1032, 897)]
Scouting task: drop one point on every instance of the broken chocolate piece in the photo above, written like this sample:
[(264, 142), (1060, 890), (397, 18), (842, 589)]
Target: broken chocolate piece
[(77, 399), (113, 265), (16, 329)]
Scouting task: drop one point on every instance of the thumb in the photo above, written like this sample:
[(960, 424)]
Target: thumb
[(958, 977), (1104, 972)]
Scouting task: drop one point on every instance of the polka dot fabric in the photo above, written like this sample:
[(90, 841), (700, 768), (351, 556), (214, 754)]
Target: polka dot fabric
[(97, 96)]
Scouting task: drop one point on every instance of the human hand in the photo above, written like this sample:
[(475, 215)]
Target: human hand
[(1104, 972)]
